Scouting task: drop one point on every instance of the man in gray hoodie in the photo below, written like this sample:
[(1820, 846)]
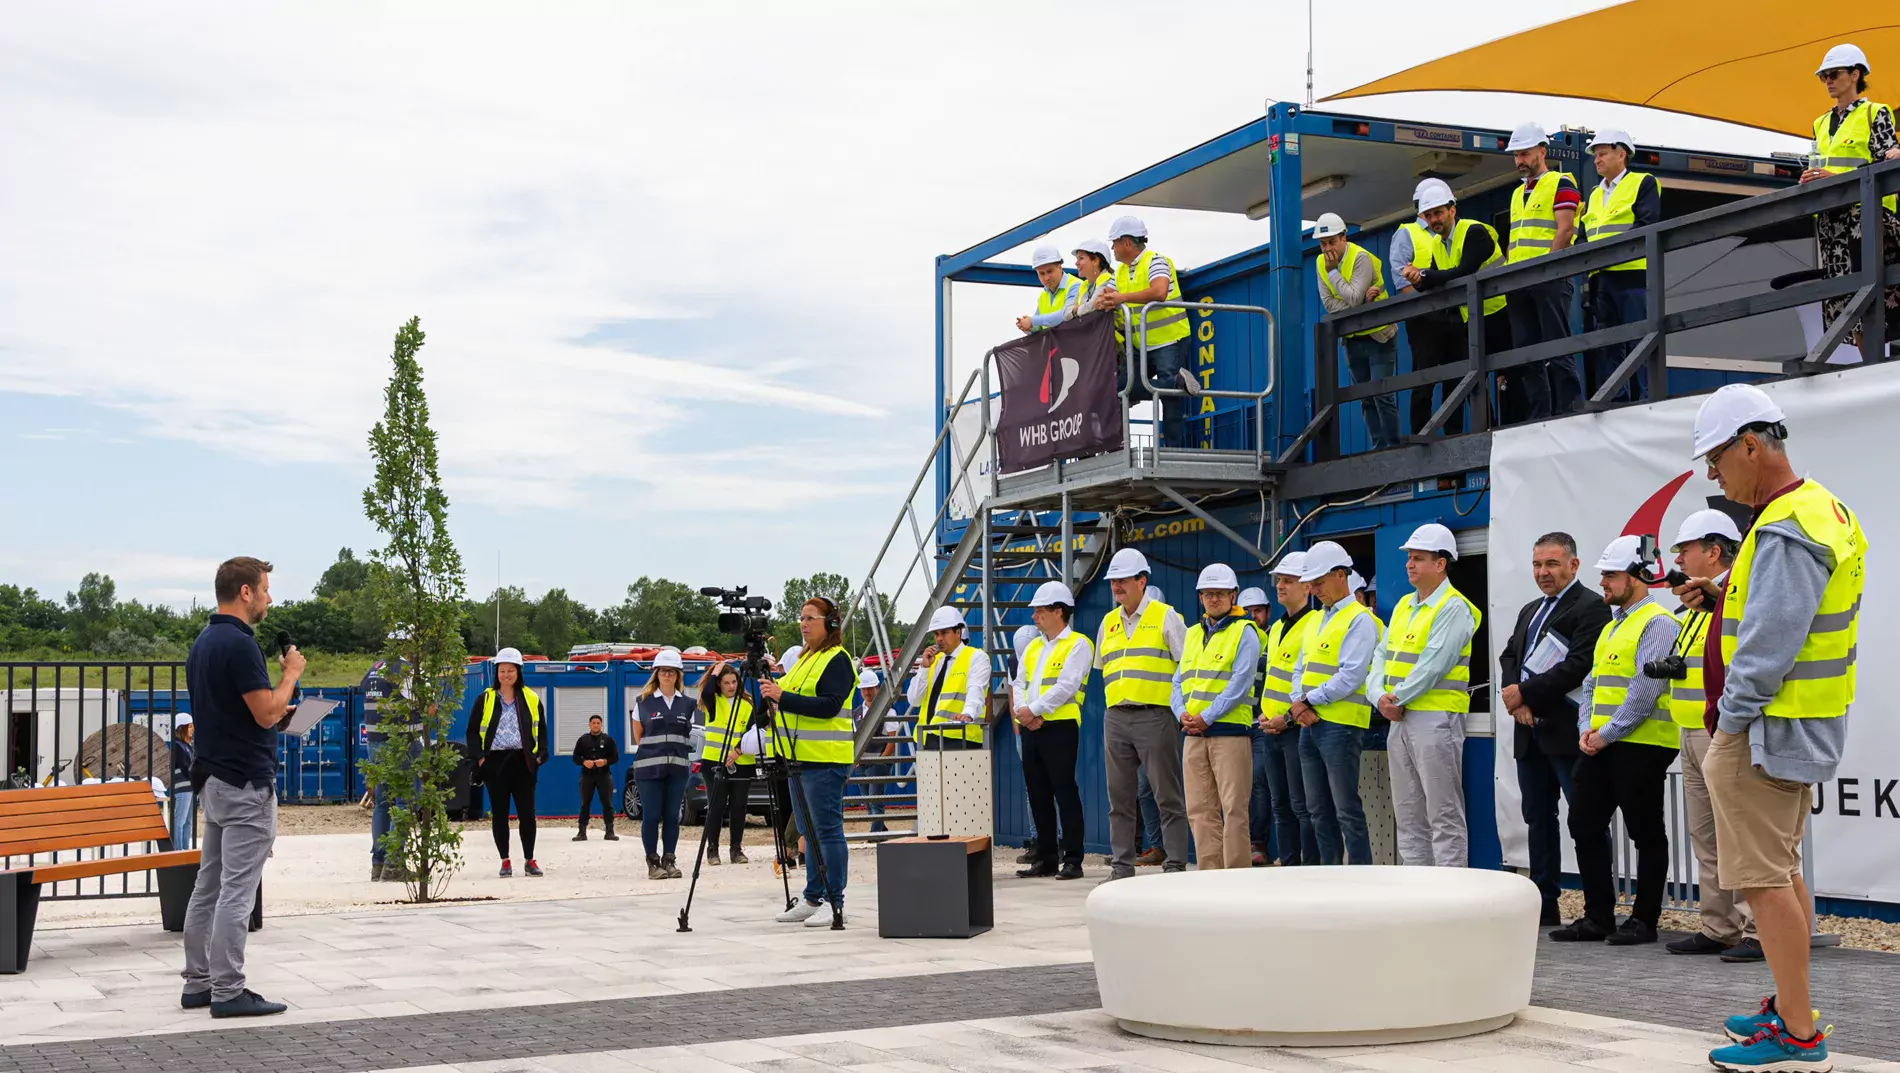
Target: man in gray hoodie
[(1779, 671)]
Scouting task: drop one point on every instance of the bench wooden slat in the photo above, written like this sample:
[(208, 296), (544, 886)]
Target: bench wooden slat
[(56, 873), (134, 793), (141, 806), (84, 833), (74, 795)]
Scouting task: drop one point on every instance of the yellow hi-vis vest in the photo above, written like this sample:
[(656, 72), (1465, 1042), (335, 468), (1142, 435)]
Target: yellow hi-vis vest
[(1850, 146), (1051, 669), (1613, 670), (956, 683), (1283, 654), (1207, 663), (816, 739), (1165, 325), (533, 728), (1687, 700), (1534, 218), (1820, 685), (725, 725), (1606, 217), (1411, 627), (1346, 264), (1047, 303), (1137, 668), (1443, 258), (1321, 651), (1424, 240)]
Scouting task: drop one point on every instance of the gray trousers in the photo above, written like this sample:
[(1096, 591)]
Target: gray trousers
[(1145, 736), (1426, 754), (240, 822)]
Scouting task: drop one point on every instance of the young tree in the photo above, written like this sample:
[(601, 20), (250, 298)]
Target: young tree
[(417, 582)]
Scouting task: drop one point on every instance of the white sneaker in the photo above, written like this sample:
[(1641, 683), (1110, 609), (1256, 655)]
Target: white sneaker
[(802, 910), (821, 920)]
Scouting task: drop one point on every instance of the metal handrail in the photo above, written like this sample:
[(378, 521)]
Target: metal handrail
[(1141, 363)]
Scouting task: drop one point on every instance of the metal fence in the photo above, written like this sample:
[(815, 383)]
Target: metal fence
[(1681, 890)]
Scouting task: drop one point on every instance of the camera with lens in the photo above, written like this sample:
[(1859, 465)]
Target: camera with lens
[(745, 616), (1670, 668)]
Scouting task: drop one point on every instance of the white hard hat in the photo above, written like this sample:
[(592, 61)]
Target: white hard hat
[(1127, 563), (1097, 247), (946, 618), (507, 655), (1432, 193), (1431, 537), (1021, 638), (668, 657), (1354, 583), (1155, 595), (1045, 255), (867, 679), (1292, 564), (1844, 56), (180, 723), (790, 657), (1130, 226), (1323, 558), (1052, 592), (1217, 576), (1328, 225), (1527, 136), (1254, 598), (1613, 136), (1624, 553), (1732, 408), (1704, 524)]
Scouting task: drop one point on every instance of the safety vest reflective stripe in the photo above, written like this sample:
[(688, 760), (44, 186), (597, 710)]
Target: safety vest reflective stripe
[(1613, 669), (1348, 263), (1604, 217), (1207, 665), (1687, 700), (1444, 258), (816, 739), (1164, 325), (1321, 653), (725, 726), (1534, 218), (1137, 669), (1059, 654), (950, 696), (1852, 145), (1408, 634), (1283, 654), (658, 761)]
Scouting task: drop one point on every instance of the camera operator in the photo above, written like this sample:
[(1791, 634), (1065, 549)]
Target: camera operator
[(1628, 741), (728, 770), (1704, 547), (814, 727)]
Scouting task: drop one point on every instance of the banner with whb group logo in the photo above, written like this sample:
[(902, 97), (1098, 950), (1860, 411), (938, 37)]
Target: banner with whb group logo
[(1058, 394)]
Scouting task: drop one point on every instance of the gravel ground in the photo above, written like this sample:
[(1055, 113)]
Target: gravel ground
[(346, 819), (1856, 932)]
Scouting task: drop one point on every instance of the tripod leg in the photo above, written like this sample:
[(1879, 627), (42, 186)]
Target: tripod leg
[(686, 911), (776, 820)]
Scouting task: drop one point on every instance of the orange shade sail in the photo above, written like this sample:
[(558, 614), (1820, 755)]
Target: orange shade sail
[(1750, 62)]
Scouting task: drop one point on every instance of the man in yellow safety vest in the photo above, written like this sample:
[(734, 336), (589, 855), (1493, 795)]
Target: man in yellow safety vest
[(1058, 291), (1543, 221), (1136, 648), (1351, 276), (1142, 277), (1329, 702), (1048, 715), (1628, 741), (1621, 201), (1294, 841), (1212, 696), (1461, 248)]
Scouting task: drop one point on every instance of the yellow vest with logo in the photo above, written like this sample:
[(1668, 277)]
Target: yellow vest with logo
[(1321, 651), (1346, 265), (1047, 303), (1166, 325), (1687, 700), (956, 683), (1283, 654), (1207, 663), (1820, 685), (1534, 218), (1850, 146), (1137, 669), (1411, 627), (725, 725), (1615, 667), (816, 739), (1443, 258), (1606, 217), (1063, 649)]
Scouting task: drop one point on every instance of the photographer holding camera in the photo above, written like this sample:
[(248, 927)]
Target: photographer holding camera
[(1705, 548), (814, 729)]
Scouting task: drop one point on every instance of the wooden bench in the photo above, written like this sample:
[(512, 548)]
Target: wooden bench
[(67, 818)]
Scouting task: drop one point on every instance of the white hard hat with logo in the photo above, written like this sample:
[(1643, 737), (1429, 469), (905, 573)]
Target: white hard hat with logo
[(1704, 524), (1613, 136), (668, 657), (1052, 592), (1624, 553), (1431, 537), (1323, 558), (946, 618), (1127, 227), (507, 655), (1329, 225), (1844, 56), (1292, 564), (1097, 247), (1726, 413), (1527, 136), (1254, 598), (1217, 576), (1045, 255), (1433, 193), (1127, 563)]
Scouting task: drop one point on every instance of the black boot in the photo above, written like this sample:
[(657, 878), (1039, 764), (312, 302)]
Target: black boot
[(672, 869), (654, 869), (580, 835), (610, 836)]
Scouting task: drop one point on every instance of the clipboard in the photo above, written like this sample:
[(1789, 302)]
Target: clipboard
[(306, 714)]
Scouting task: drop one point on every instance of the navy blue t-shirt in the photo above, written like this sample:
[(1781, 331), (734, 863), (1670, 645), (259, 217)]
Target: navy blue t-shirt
[(225, 664)]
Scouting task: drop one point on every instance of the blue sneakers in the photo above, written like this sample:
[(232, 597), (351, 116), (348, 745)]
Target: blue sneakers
[(1772, 1050), (1744, 1026)]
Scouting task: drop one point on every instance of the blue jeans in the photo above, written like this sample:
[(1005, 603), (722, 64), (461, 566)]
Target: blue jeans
[(1150, 812), (1294, 840), (1259, 824), (379, 812), (1621, 298), (660, 801), (1329, 764), (1540, 779), (821, 788), (1368, 360), (182, 804)]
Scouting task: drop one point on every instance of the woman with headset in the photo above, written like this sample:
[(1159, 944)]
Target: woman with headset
[(814, 728), (727, 769), (663, 734)]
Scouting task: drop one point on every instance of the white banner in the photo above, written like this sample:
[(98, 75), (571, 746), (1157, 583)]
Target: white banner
[(1599, 476)]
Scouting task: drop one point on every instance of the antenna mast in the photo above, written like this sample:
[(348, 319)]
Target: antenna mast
[(1309, 53)]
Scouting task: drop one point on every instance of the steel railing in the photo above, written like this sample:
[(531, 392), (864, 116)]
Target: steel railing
[(1135, 359)]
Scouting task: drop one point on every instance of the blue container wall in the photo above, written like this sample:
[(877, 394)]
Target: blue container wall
[(321, 766)]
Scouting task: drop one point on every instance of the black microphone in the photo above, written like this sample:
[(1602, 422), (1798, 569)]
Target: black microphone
[(283, 642)]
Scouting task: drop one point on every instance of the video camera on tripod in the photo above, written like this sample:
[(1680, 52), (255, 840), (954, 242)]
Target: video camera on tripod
[(745, 616)]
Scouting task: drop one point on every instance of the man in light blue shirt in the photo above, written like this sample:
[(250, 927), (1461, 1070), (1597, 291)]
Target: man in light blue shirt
[(1217, 757), (1058, 291), (1329, 750)]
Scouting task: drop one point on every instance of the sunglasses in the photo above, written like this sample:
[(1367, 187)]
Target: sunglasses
[(1833, 73)]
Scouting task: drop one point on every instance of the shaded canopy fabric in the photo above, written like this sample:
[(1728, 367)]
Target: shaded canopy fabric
[(1742, 61)]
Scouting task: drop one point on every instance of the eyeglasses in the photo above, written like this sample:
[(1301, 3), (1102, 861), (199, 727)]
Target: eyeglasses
[(811, 618), (1833, 73), (1714, 458)]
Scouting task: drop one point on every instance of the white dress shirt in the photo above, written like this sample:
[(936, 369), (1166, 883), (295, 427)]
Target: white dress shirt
[(1028, 683), (965, 707)]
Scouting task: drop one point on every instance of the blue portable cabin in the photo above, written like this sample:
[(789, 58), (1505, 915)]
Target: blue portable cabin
[(1313, 476)]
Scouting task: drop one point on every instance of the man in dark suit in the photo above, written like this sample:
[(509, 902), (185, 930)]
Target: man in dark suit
[(1546, 732)]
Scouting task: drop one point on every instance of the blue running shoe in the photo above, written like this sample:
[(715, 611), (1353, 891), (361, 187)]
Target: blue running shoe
[(1773, 1050), (1743, 1026)]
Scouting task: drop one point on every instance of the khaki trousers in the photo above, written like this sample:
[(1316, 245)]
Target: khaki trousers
[(1219, 776), (1725, 914)]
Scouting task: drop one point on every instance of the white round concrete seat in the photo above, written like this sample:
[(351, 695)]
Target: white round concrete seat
[(1314, 957)]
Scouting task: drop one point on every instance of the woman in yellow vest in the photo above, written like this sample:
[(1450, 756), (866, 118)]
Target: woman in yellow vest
[(814, 726), (1143, 277), (1854, 133), (508, 736), (726, 766), (1212, 697)]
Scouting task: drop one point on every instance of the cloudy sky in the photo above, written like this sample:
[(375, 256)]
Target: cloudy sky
[(674, 261)]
